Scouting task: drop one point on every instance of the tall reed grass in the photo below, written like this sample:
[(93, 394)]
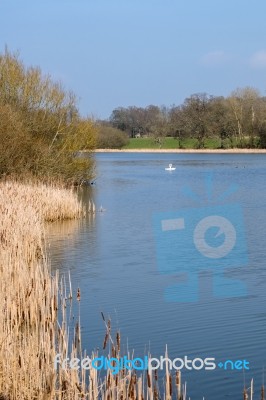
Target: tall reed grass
[(32, 302), (29, 295)]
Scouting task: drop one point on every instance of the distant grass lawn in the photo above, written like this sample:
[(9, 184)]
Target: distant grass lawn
[(169, 143)]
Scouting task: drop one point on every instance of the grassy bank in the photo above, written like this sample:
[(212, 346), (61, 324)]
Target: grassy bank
[(150, 143), (185, 144), (192, 151)]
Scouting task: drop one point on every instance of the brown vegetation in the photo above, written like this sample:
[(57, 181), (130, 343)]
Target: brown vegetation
[(33, 317), (29, 297), (41, 131), (31, 302)]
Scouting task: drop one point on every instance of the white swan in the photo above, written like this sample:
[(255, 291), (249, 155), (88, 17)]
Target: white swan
[(170, 168)]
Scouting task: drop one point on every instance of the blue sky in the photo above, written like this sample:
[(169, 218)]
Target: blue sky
[(115, 53)]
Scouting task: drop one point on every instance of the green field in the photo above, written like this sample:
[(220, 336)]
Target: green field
[(169, 143)]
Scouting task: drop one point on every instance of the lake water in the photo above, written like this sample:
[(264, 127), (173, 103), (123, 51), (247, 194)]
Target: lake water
[(113, 257)]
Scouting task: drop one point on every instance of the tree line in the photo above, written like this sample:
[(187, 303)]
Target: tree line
[(41, 131), (238, 120)]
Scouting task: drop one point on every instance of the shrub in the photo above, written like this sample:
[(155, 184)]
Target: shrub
[(111, 138), (41, 131)]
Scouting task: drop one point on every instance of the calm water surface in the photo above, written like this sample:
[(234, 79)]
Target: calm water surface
[(112, 258)]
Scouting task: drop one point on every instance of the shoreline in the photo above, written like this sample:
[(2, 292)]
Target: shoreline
[(206, 151)]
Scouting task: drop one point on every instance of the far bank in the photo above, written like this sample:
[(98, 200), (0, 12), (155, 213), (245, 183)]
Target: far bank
[(218, 151)]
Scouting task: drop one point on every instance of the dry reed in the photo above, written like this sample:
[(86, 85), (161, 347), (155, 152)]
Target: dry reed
[(29, 296), (31, 300), (51, 203)]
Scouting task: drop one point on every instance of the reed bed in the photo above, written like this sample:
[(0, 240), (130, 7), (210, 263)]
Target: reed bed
[(32, 302), (51, 203), (29, 296)]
